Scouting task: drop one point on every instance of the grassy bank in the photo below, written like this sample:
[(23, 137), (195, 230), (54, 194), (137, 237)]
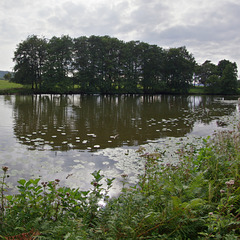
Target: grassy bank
[(7, 87), (199, 198)]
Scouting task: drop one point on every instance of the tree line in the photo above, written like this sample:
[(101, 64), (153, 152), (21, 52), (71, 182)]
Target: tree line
[(103, 64)]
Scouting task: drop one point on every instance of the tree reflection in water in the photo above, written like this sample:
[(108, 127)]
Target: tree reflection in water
[(64, 122)]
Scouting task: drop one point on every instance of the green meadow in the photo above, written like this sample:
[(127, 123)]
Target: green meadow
[(7, 87), (4, 85)]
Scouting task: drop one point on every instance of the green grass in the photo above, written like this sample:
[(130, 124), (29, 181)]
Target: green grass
[(196, 90), (5, 85)]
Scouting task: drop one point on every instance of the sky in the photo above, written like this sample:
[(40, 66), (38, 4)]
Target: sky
[(210, 30)]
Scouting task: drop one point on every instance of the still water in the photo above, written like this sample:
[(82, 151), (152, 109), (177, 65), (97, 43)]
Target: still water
[(68, 137)]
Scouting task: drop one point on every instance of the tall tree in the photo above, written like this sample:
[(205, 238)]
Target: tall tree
[(130, 66), (30, 56), (96, 62), (223, 64), (58, 67), (107, 65), (204, 71), (110, 64), (229, 82), (81, 63), (152, 69), (178, 69)]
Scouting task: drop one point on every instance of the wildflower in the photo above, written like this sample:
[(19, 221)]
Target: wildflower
[(211, 213), (5, 169), (229, 183), (44, 184), (95, 184), (222, 191)]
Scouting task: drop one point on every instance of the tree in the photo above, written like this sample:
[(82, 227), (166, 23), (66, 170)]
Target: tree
[(30, 57), (7, 76), (81, 63), (222, 65), (213, 85), (58, 67), (111, 81), (222, 79), (130, 60), (96, 60), (151, 68), (179, 67), (107, 65), (229, 82), (204, 71)]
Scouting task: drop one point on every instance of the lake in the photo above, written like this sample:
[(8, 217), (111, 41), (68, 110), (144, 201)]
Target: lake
[(70, 136)]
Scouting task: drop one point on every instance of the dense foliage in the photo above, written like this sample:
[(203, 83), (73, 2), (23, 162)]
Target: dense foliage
[(101, 64), (198, 198), (218, 79)]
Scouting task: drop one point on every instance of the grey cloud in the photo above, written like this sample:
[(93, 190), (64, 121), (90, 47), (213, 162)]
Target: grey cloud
[(150, 13), (221, 25), (13, 4), (205, 28), (76, 19)]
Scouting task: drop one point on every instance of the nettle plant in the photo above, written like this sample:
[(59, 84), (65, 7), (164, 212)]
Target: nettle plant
[(195, 198), (38, 202)]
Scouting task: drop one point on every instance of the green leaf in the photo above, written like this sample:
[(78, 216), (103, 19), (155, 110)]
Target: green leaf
[(28, 183), (22, 181), (9, 197)]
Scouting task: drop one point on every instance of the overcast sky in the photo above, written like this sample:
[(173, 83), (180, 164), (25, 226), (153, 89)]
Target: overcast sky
[(210, 29)]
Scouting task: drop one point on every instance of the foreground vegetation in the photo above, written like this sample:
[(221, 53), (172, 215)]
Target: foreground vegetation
[(198, 198)]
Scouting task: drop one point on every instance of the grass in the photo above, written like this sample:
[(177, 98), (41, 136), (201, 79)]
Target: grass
[(198, 198), (196, 90), (5, 85)]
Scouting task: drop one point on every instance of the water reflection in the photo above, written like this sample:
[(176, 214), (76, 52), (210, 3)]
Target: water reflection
[(57, 122), (63, 131)]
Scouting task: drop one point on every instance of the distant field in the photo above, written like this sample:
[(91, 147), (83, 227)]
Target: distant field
[(4, 85)]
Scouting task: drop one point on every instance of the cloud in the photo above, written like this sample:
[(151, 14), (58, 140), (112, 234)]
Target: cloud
[(206, 28)]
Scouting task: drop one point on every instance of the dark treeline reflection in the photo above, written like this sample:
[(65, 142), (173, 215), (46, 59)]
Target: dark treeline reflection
[(63, 122)]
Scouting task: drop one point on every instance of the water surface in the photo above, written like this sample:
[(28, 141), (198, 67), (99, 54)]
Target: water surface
[(68, 137)]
